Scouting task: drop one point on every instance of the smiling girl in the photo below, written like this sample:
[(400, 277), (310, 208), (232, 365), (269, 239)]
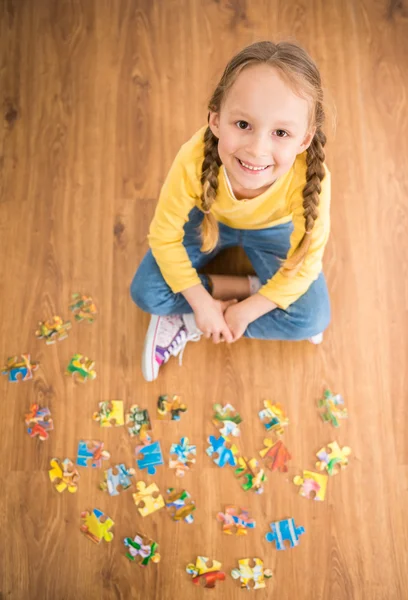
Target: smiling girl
[(254, 177)]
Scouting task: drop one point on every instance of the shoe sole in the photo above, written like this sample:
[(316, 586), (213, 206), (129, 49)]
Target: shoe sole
[(150, 367)]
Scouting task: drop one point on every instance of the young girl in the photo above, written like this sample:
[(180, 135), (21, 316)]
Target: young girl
[(254, 177)]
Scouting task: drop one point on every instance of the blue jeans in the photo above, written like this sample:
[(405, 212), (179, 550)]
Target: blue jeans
[(265, 248)]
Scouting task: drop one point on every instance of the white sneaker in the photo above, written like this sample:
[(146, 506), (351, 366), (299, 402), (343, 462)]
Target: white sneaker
[(165, 337), (316, 339)]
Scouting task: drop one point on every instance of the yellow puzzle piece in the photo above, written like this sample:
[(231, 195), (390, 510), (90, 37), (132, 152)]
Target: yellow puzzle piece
[(96, 526), (110, 414), (63, 475), (312, 485), (147, 498)]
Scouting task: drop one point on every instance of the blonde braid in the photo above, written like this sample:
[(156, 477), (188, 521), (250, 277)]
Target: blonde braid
[(209, 181), (314, 176)]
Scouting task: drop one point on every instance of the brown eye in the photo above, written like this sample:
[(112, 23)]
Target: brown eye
[(242, 124), (281, 133)]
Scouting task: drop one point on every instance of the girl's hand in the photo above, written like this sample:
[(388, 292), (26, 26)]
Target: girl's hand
[(210, 320), (237, 319)]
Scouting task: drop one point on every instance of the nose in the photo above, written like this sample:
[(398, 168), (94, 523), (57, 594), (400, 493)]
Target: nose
[(260, 146)]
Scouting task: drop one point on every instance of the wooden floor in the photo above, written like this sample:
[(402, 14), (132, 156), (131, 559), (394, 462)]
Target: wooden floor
[(97, 97)]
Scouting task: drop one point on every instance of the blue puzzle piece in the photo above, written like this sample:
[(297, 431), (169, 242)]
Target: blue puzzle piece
[(114, 480), (225, 455), (285, 530), (151, 457)]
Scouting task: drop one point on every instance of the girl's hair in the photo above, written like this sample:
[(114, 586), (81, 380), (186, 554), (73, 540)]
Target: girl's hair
[(299, 70)]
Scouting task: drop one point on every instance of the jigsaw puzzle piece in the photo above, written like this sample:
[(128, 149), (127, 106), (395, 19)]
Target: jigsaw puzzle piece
[(147, 498), (235, 520), (333, 459), (333, 408), (253, 476), (139, 424), (20, 368), (227, 420), (222, 451), (81, 368), (180, 505), (63, 475), (142, 550), (205, 572), (312, 485), (110, 414), (53, 330), (254, 574), (273, 417), (150, 457), (277, 455), (39, 422), (284, 530), (91, 453), (118, 478), (173, 406), (184, 456), (97, 526), (83, 307)]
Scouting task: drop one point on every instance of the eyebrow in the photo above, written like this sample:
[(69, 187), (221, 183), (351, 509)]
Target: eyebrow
[(242, 113)]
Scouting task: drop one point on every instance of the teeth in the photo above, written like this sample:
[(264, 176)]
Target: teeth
[(252, 168)]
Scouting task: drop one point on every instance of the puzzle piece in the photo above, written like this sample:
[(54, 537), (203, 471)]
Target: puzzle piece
[(284, 530), (170, 405), (333, 409), (180, 505), (277, 455), (142, 550), (19, 368), (222, 451), (81, 368), (273, 417), (110, 414), (91, 453), (147, 498), (312, 485), (208, 575), (139, 421), (255, 574), (334, 459), (121, 477), (64, 475), (227, 420), (39, 422), (254, 477), (151, 457), (83, 308), (235, 520), (53, 330), (185, 456), (97, 526)]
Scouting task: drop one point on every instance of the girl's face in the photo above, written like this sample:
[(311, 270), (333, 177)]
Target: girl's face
[(262, 126)]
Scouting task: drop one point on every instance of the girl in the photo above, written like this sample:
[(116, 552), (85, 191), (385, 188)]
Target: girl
[(254, 177)]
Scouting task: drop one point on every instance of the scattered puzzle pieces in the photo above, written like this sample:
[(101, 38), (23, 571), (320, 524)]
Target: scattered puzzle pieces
[(97, 526), (141, 550), (253, 476), (207, 574), (180, 505), (235, 520), (312, 485), (120, 478), (63, 475), (147, 498), (227, 420), (91, 453), (284, 530), (273, 417), (139, 421), (83, 308), (251, 575), (222, 451), (276, 454), (150, 457), (81, 368), (110, 414), (39, 422), (334, 459), (333, 408), (19, 368), (173, 406), (185, 454), (53, 330)]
